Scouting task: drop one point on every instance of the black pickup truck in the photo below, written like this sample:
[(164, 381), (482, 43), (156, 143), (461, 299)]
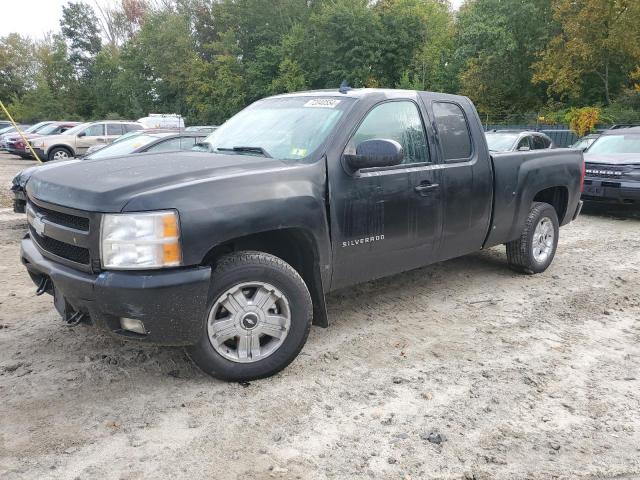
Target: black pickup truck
[(231, 252)]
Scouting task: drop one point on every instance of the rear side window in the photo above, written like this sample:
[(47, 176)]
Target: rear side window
[(399, 121), (538, 143), (453, 131), (130, 127), (115, 129)]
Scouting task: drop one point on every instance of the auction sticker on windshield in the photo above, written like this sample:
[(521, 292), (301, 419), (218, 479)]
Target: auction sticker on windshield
[(322, 103)]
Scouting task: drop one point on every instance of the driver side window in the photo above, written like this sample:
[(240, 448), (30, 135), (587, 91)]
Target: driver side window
[(395, 120), (94, 131)]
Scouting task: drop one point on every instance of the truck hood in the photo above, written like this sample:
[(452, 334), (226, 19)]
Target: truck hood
[(106, 185), (613, 158), (22, 177)]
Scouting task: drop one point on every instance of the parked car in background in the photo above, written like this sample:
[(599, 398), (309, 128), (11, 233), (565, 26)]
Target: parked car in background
[(231, 252), (585, 142), (612, 165), (502, 141), (77, 140), (17, 146), (4, 124), (161, 120), (136, 142), (11, 131), (201, 128)]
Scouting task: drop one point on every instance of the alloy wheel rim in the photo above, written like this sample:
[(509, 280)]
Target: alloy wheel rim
[(60, 155), (249, 322), (543, 238)]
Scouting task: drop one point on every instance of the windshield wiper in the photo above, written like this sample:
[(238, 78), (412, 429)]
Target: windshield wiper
[(259, 150)]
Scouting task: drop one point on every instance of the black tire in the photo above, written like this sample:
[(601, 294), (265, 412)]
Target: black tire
[(248, 266), (52, 153), (520, 252)]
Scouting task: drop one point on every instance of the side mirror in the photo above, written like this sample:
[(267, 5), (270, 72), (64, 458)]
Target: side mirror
[(82, 134), (524, 149), (375, 153)]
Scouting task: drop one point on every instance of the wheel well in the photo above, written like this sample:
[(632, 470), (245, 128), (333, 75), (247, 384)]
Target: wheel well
[(296, 247), (65, 147), (558, 197)]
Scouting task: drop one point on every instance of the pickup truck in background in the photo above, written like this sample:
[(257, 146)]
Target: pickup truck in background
[(231, 252)]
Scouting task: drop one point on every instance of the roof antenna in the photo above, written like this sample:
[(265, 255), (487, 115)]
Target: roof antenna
[(344, 86)]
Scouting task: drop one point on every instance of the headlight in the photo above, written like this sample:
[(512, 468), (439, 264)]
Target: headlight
[(140, 240), (36, 143)]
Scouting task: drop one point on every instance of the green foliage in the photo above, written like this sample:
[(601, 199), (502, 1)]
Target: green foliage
[(496, 42), (207, 59), (598, 40)]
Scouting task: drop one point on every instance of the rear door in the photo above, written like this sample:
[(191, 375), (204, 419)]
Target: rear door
[(114, 130), (466, 177), (382, 221)]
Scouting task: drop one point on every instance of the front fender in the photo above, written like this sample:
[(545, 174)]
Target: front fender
[(216, 210)]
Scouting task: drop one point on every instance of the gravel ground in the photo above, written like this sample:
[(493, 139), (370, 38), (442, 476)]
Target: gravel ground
[(461, 370)]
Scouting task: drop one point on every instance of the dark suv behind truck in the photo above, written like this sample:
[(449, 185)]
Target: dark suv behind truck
[(613, 167), (231, 252)]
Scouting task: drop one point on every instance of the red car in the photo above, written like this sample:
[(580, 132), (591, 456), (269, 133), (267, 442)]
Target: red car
[(15, 144)]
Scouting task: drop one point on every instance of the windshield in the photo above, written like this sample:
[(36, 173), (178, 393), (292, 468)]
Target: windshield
[(123, 147), (77, 129), (616, 144), (7, 130), (49, 129), (37, 127), (583, 143), (501, 142), (282, 128)]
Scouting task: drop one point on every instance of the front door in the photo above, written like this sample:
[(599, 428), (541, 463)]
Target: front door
[(385, 220), (91, 136)]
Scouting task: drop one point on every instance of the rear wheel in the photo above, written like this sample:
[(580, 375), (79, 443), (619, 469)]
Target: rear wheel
[(59, 153), (534, 251), (258, 320)]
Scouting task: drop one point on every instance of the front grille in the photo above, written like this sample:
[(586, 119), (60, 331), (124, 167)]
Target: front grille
[(64, 219), (61, 249), (605, 171)]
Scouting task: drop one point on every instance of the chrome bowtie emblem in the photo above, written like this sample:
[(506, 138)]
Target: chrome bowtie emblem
[(38, 225)]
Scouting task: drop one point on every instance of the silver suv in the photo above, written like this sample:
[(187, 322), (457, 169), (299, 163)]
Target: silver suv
[(76, 141)]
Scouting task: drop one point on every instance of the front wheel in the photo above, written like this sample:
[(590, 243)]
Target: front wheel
[(533, 252), (258, 319), (59, 153)]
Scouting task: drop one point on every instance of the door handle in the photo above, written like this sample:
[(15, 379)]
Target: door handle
[(426, 187)]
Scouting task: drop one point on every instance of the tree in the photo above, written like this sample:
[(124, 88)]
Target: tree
[(422, 42), (79, 26), (597, 38), (17, 66), (496, 43), (343, 41)]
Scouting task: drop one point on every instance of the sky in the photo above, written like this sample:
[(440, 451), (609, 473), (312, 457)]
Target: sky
[(34, 18)]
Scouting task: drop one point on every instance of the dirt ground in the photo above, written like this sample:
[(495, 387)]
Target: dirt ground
[(462, 370)]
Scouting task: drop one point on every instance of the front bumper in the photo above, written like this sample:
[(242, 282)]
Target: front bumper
[(611, 191), (40, 153), (171, 304)]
